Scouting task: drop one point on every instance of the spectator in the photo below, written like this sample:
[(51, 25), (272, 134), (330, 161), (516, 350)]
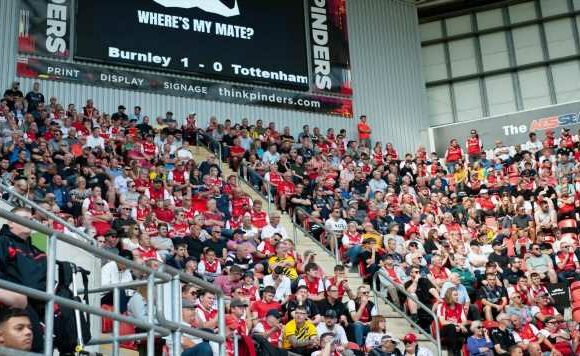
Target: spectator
[(502, 337), (388, 347), (270, 327), (227, 283), (452, 320), (361, 312), (15, 329), (115, 273), (541, 263), (479, 344), (299, 334), (13, 95), (410, 342), (364, 132)]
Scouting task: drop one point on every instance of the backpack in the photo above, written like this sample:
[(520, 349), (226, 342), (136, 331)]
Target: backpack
[(65, 323)]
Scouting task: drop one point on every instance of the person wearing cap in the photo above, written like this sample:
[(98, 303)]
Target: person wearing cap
[(412, 348), (120, 114), (239, 308), (541, 263), (270, 327), (330, 325), (388, 347)]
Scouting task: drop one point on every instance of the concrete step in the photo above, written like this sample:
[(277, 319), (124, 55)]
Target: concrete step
[(395, 322)]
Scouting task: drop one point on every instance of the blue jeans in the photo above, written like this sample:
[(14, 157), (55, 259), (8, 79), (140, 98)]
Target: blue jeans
[(201, 349), (360, 330), (450, 167), (353, 253)]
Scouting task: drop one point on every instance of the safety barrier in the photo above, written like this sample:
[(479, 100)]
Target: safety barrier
[(164, 277), (435, 340)]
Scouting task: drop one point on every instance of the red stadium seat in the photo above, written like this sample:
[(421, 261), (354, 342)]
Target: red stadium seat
[(567, 223), (127, 329), (575, 285), (576, 295)]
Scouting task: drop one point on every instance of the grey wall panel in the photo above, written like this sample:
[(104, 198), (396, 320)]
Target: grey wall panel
[(387, 79)]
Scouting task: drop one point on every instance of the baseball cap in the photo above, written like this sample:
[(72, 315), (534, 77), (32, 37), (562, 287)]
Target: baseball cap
[(409, 338), (389, 337), (239, 231)]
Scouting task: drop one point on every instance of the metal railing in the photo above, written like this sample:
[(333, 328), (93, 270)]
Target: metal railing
[(299, 225), (435, 340), (49, 214), (263, 182), (213, 145), (164, 275)]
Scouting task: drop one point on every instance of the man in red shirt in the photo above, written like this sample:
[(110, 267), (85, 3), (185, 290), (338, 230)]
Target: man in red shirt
[(364, 132), (285, 190), (260, 308)]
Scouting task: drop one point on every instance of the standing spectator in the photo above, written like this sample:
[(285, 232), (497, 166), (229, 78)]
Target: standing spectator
[(364, 132), (34, 97), (13, 94), (474, 146), (453, 155)]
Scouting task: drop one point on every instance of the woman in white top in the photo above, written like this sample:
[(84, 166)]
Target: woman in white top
[(378, 329)]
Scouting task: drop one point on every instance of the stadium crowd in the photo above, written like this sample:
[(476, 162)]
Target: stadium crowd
[(481, 237)]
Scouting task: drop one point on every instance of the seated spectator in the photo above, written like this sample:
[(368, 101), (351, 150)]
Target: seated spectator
[(331, 325), (454, 282), (388, 347), (394, 273), (503, 339), (544, 310), (377, 329), (361, 312), (567, 265), (145, 251), (479, 344), (314, 283), (15, 329), (525, 333), (452, 321), (411, 345), (229, 282), (541, 263), (115, 273), (301, 300), (493, 297), (299, 335), (179, 258), (270, 327)]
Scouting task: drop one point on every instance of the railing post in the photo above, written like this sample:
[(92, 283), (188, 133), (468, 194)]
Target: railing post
[(236, 346), (336, 251), (221, 324), (49, 309), (150, 311), (176, 313), (269, 196), (220, 155), (116, 308), (294, 229)]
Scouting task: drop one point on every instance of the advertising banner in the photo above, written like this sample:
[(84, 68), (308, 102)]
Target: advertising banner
[(251, 41), (511, 129), (43, 28), (179, 86), (331, 68)]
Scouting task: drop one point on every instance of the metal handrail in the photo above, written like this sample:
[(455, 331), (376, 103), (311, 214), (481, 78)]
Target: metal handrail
[(298, 225), (267, 197), (10, 190), (164, 273), (399, 288), (210, 140)]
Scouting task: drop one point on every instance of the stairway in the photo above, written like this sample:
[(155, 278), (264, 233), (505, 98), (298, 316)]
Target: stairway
[(396, 324)]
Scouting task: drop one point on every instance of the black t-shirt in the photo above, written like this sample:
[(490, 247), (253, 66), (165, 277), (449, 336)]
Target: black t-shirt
[(194, 246), (504, 338), (422, 292), (33, 100), (521, 221), (11, 95), (217, 246), (502, 260), (340, 309), (492, 295), (511, 276)]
